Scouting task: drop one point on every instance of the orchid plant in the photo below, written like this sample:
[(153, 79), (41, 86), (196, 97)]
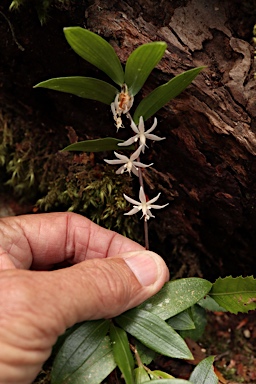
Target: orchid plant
[(90, 351), (137, 69), (133, 163)]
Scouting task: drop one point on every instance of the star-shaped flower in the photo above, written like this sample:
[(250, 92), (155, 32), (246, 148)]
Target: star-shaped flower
[(142, 135), (143, 205), (130, 165)]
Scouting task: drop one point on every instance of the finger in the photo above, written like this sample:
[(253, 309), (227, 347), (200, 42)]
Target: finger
[(39, 306), (6, 261), (44, 240), (117, 284), (92, 289)]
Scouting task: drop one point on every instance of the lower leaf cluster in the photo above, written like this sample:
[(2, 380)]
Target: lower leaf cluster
[(93, 349)]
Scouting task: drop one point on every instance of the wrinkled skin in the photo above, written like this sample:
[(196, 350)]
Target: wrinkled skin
[(106, 275)]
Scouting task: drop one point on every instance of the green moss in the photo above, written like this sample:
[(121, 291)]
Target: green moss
[(23, 157), (32, 167), (94, 191)]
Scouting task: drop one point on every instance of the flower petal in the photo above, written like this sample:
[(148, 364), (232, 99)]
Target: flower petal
[(132, 201), (135, 171), (149, 213), (134, 127), (150, 136), (154, 206), (153, 126), (114, 161), (153, 200), (132, 211), (121, 157), (143, 148), (113, 110), (136, 154), (142, 196), (127, 142), (141, 165), (141, 126), (120, 170)]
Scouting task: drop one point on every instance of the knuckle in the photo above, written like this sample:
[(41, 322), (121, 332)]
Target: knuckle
[(110, 286)]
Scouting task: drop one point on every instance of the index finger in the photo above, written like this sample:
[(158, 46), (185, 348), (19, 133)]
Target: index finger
[(43, 240)]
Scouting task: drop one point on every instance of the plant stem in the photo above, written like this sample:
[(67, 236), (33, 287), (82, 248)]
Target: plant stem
[(141, 181), (145, 221), (137, 356), (146, 234)]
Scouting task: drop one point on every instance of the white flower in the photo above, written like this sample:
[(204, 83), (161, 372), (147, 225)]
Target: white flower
[(122, 104), (143, 205), (141, 134), (130, 165)]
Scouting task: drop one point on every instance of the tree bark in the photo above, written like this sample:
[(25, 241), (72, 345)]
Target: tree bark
[(206, 166)]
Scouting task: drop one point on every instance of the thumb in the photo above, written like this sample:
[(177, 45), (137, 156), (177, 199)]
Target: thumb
[(104, 288), (39, 306)]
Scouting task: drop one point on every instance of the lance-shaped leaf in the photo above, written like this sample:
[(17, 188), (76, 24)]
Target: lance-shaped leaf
[(96, 51), (154, 332), (164, 93), (97, 145), (86, 87), (182, 321), (198, 315), (140, 375), (77, 348), (146, 354), (170, 381), (122, 353), (97, 367), (210, 304), (204, 372), (140, 63), (235, 294), (157, 374), (176, 296)]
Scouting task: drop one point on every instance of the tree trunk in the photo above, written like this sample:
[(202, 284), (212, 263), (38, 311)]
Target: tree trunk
[(206, 166)]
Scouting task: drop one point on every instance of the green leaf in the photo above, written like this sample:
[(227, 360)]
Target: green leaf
[(122, 353), (77, 348), (97, 145), (140, 375), (210, 304), (140, 63), (170, 381), (97, 367), (160, 375), (182, 321), (163, 94), (204, 373), (96, 51), (62, 338), (235, 294), (176, 296), (85, 87), (198, 315), (154, 332), (146, 354)]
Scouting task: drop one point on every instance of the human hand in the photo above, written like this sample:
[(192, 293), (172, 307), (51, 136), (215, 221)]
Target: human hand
[(109, 274)]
